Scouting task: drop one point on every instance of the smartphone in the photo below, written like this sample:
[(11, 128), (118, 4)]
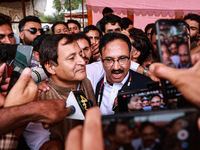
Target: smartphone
[(141, 100), (162, 130), (21, 61), (173, 49)]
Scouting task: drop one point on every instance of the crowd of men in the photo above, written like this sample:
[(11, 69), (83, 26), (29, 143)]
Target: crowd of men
[(100, 60)]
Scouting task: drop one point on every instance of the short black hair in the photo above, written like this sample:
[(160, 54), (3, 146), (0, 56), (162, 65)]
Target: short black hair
[(107, 10), (49, 49), (113, 19), (4, 19), (38, 40), (75, 22), (194, 17), (111, 37), (126, 22), (81, 35), (111, 130), (145, 124), (141, 43), (27, 19), (56, 23), (148, 26), (92, 27)]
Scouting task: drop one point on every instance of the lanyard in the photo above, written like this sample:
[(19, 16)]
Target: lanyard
[(100, 95)]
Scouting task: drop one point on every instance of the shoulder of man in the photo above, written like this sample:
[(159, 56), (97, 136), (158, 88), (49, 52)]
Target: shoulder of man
[(139, 81), (51, 93), (88, 90)]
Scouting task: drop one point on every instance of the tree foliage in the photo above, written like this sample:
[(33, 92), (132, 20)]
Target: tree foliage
[(58, 15), (74, 4), (51, 18)]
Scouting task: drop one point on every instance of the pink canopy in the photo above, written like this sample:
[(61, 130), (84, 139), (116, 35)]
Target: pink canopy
[(144, 11)]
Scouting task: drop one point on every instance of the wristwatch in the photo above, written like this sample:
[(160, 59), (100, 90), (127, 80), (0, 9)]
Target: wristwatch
[(145, 70)]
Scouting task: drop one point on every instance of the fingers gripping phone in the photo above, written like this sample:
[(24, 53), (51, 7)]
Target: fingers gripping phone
[(21, 61), (173, 49)]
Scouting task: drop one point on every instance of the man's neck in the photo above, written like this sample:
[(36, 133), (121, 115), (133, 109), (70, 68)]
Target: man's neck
[(73, 85)]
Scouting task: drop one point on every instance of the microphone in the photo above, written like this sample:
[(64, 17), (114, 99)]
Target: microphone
[(73, 110), (78, 105)]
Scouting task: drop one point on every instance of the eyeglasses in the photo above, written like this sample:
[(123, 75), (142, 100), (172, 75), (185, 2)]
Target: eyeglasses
[(34, 30), (122, 61)]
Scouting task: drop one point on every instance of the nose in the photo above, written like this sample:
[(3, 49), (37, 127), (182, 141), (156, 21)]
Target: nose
[(83, 53), (80, 60), (116, 65), (38, 33), (93, 40)]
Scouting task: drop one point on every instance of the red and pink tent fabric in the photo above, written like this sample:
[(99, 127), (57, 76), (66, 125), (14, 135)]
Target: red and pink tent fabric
[(142, 12)]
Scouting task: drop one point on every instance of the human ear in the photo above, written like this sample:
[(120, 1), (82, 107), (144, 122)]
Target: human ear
[(50, 68)]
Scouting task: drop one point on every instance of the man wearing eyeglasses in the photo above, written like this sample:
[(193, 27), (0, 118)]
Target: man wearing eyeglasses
[(29, 28), (115, 57)]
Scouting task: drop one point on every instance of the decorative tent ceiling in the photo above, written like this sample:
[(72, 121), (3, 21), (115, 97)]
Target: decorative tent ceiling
[(146, 7)]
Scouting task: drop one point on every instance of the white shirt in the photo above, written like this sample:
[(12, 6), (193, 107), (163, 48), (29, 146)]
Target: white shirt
[(109, 95)]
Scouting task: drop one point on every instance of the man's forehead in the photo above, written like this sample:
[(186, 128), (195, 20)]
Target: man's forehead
[(72, 25), (118, 41), (192, 22), (112, 25), (63, 46), (32, 24), (93, 33), (5, 29)]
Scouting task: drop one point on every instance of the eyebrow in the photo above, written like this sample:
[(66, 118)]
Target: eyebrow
[(87, 47)]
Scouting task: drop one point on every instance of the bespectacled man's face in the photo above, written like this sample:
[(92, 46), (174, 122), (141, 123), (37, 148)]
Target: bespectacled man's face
[(113, 53)]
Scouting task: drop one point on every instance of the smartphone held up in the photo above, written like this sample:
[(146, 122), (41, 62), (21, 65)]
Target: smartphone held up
[(173, 49)]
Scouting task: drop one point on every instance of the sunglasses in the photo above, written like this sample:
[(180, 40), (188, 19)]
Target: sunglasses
[(34, 30)]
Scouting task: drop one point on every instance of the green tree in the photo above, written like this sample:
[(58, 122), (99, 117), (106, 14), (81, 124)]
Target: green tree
[(74, 4), (50, 18)]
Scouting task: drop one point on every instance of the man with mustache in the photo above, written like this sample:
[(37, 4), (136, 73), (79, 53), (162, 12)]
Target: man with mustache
[(115, 57), (184, 56), (155, 102)]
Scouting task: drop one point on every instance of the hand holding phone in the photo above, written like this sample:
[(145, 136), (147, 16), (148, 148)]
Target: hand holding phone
[(21, 61)]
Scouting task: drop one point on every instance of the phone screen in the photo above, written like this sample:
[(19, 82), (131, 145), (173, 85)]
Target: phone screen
[(21, 61), (163, 130), (173, 49)]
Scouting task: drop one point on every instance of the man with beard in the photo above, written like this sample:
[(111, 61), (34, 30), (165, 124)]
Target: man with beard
[(193, 20), (183, 53), (155, 102), (29, 28), (85, 46), (94, 34)]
